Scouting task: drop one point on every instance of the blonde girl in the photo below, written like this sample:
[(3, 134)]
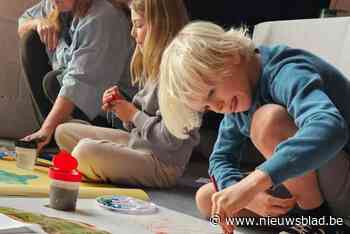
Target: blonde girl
[(147, 154)]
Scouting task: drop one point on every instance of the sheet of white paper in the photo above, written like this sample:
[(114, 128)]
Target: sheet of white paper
[(8, 223)]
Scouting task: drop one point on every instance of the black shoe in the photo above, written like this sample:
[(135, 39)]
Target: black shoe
[(304, 229), (307, 229)]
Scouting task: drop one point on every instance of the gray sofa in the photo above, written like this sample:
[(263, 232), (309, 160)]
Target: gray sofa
[(326, 37), (17, 115)]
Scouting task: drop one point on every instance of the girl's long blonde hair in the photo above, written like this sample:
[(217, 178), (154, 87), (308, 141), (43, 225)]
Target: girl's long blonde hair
[(81, 7), (163, 19)]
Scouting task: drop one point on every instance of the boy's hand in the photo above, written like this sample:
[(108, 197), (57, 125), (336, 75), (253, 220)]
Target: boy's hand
[(265, 204), (231, 200)]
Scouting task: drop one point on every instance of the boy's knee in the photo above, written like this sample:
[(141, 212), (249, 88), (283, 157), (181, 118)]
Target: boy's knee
[(270, 125), (203, 199)]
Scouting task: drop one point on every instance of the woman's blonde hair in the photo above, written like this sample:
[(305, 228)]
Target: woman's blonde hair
[(200, 56), (163, 19), (81, 7)]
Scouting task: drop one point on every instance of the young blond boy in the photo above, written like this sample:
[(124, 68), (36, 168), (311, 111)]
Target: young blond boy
[(290, 103)]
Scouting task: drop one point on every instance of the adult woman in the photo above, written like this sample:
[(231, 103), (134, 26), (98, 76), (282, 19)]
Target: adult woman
[(66, 50)]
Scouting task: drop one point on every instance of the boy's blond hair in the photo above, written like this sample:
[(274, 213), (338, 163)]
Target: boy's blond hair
[(196, 60), (164, 19)]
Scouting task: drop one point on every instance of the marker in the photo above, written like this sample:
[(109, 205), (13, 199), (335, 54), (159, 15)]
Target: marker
[(116, 97), (212, 178)]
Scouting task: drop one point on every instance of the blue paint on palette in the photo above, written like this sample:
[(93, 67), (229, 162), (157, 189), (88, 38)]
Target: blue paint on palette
[(12, 178)]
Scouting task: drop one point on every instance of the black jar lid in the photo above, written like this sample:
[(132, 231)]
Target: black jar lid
[(26, 144)]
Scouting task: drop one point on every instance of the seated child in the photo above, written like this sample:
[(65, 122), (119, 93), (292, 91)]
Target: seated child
[(290, 103), (148, 154)]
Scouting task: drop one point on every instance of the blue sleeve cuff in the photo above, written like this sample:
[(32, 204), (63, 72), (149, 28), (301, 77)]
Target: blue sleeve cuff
[(83, 96)]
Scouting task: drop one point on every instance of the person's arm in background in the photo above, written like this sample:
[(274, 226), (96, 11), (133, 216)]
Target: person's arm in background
[(60, 112), (28, 25)]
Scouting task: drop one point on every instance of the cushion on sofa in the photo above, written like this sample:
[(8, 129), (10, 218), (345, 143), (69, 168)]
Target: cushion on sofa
[(18, 116)]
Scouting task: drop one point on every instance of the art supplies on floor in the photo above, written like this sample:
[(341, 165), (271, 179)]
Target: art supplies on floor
[(41, 224), (18, 182), (127, 205)]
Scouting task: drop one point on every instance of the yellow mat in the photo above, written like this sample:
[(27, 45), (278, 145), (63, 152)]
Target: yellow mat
[(18, 182)]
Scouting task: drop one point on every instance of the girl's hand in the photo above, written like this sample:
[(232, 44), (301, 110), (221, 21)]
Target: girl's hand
[(124, 110), (43, 137), (109, 96), (48, 33), (265, 205)]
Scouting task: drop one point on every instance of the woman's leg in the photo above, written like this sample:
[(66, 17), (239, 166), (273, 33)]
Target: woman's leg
[(104, 156), (35, 65), (271, 125), (51, 86)]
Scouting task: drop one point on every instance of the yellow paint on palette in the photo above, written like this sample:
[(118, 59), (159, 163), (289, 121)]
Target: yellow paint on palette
[(18, 182)]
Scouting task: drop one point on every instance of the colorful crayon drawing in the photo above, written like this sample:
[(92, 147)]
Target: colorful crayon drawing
[(12, 178), (19, 182)]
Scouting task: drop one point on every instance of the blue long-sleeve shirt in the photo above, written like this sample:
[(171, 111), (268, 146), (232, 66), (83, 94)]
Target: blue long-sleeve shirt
[(315, 95), (97, 56)]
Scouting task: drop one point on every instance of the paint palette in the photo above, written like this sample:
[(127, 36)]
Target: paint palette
[(127, 205)]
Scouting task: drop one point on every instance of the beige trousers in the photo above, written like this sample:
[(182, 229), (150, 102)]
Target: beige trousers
[(104, 156)]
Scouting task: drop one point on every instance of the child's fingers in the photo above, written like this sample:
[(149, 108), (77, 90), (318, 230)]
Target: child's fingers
[(220, 217), (107, 99), (106, 107), (283, 202), (277, 211), (112, 89)]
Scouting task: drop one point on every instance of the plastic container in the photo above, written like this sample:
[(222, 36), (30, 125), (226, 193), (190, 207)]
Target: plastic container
[(65, 182), (26, 154)]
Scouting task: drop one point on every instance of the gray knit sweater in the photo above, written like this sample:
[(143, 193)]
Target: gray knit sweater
[(150, 134)]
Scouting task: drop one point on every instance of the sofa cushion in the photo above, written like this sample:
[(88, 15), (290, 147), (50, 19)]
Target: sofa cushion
[(326, 37)]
